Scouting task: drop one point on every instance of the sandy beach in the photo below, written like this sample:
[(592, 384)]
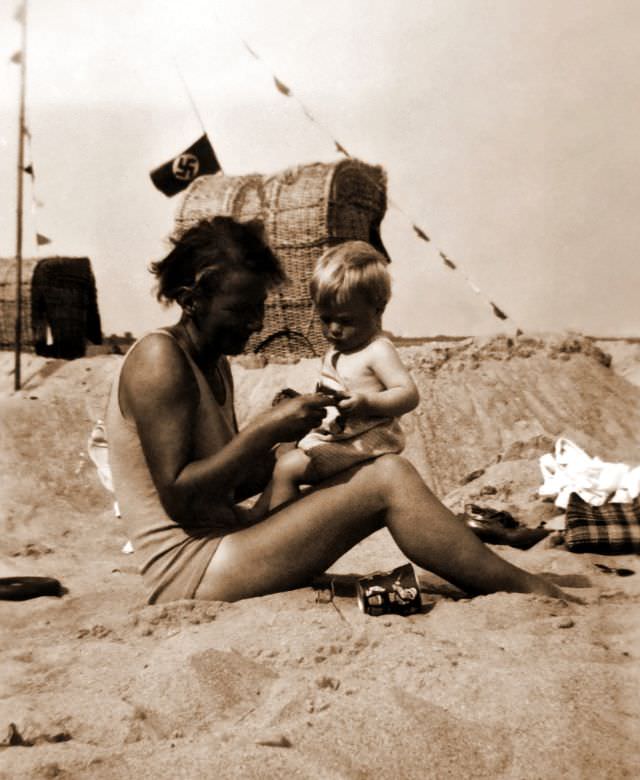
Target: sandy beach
[(98, 684)]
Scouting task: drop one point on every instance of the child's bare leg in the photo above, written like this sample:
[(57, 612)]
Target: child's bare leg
[(288, 474)]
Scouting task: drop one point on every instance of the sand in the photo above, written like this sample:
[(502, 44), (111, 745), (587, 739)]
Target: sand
[(299, 685)]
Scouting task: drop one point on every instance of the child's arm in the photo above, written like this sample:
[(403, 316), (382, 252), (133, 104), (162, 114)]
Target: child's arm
[(400, 394)]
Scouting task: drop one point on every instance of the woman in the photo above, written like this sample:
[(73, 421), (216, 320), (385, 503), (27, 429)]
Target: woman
[(180, 466)]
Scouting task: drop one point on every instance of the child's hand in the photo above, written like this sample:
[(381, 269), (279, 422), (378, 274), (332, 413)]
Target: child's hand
[(330, 392), (355, 403), (283, 394)]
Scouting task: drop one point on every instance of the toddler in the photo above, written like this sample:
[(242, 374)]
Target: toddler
[(362, 371)]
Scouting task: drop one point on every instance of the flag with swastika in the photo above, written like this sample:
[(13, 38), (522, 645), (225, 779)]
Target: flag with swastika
[(177, 174)]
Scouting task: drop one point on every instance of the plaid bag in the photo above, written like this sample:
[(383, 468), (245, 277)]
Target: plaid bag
[(607, 529)]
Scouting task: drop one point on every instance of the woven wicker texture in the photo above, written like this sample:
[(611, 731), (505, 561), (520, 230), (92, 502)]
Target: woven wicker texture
[(305, 210), (8, 306), (58, 292)]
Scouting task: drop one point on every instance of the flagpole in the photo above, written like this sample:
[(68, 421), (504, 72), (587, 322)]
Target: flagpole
[(20, 173)]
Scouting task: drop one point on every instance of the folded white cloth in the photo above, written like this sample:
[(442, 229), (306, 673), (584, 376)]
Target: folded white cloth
[(571, 470), (98, 450)]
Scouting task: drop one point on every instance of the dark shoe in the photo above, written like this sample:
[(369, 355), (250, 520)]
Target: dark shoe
[(505, 519), (22, 588), (493, 532)]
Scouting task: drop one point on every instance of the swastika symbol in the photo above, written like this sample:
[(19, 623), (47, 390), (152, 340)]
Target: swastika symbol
[(185, 167)]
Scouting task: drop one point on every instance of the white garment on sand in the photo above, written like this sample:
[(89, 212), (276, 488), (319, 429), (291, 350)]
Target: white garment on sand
[(98, 449), (571, 470)]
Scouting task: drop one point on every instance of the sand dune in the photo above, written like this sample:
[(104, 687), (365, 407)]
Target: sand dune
[(299, 685)]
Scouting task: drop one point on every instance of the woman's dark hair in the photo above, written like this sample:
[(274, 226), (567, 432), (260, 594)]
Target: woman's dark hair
[(217, 245)]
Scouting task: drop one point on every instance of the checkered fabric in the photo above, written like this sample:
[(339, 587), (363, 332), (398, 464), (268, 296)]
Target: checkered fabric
[(607, 529)]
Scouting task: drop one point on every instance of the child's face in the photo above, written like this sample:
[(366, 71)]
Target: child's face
[(349, 326)]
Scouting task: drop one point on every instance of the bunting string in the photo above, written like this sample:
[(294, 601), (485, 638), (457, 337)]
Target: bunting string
[(36, 203), (20, 14), (285, 90), (190, 97)]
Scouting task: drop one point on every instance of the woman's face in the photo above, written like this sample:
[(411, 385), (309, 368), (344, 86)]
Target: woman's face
[(226, 318)]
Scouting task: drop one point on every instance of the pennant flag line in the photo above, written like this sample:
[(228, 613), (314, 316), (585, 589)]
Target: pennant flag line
[(36, 203), (498, 312), (250, 50), (16, 58), (282, 87), (473, 286), (177, 174), (285, 90), (420, 233), (309, 115), (447, 261)]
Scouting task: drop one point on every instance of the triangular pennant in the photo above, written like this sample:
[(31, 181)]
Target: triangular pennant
[(29, 169), (340, 148), (42, 240), (16, 58), (498, 312), (282, 87), (420, 233), (177, 174), (447, 262), (20, 14)]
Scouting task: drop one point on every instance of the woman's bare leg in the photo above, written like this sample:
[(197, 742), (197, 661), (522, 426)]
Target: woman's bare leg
[(304, 538)]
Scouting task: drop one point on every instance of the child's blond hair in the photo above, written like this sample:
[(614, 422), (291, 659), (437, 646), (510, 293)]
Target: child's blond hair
[(348, 269)]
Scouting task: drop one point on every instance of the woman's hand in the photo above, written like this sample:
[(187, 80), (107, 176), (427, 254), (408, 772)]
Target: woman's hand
[(294, 417)]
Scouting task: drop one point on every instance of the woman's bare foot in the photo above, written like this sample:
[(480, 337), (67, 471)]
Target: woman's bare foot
[(544, 587)]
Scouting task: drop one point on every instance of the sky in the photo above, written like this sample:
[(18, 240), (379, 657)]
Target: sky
[(509, 131)]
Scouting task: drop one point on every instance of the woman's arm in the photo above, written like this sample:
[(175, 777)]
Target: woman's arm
[(257, 479), (400, 394), (160, 394)]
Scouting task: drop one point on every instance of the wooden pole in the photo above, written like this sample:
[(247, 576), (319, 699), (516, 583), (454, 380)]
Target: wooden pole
[(21, 128)]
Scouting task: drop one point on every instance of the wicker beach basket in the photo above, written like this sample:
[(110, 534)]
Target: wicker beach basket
[(58, 293), (8, 304), (305, 210)]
